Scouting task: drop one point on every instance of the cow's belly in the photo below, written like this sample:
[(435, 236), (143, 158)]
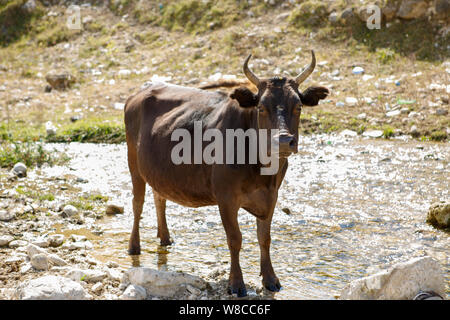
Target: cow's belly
[(185, 184)]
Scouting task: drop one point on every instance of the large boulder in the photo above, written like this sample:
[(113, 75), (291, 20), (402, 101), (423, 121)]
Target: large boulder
[(439, 215), (390, 9), (50, 288), (402, 282), (162, 283), (412, 9)]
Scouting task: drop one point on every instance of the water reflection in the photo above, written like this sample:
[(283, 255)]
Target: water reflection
[(161, 260), (135, 260)]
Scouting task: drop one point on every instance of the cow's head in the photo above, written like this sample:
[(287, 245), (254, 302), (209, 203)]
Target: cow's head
[(279, 103)]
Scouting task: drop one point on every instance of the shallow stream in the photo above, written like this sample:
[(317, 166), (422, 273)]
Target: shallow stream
[(356, 206)]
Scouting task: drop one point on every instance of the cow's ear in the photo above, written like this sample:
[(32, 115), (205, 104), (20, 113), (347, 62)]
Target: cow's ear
[(312, 95), (245, 97)]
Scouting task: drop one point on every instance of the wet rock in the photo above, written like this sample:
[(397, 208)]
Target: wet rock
[(88, 275), (56, 260), (20, 170), (6, 215), (33, 250), (112, 209), (134, 292), (112, 264), (412, 9), (348, 133), (69, 211), (78, 238), (401, 282), (86, 245), (114, 274), (5, 240), (55, 240), (60, 81), (373, 133), (24, 268), (39, 261), (42, 242), (17, 243), (50, 288), (16, 258), (162, 283), (97, 288), (439, 215)]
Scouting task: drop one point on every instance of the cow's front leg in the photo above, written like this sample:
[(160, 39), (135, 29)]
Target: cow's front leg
[(228, 213), (270, 280)]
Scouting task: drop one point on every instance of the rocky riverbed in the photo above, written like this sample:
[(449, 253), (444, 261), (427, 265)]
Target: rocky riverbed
[(348, 208)]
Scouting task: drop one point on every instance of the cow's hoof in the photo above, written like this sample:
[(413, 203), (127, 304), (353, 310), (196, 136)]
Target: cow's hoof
[(240, 291), (133, 251), (273, 285), (166, 242)]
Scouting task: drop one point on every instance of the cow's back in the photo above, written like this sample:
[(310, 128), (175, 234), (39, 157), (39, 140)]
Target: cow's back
[(151, 116)]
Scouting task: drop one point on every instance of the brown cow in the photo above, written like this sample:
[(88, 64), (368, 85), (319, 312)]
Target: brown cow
[(152, 115)]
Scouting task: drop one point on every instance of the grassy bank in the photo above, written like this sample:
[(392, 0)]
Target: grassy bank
[(190, 40)]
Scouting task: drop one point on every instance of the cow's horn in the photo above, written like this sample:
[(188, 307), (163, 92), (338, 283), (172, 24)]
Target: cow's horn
[(250, 75), (305, 73)]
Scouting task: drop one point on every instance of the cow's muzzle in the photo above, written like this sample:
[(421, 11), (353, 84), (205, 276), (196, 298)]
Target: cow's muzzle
[(287, 144)]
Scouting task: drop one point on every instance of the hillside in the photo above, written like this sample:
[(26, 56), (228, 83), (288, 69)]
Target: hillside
[(124, 43)]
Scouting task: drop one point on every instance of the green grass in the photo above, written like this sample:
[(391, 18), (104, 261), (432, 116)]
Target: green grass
[(89, 202), (438, 136), (388, 131), (16, 21), (35, 194), (309, 14), (30, 153), (92, 130)]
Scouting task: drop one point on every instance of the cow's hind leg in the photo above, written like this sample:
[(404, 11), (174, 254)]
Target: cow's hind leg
[(134, 246), (163, 231)]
